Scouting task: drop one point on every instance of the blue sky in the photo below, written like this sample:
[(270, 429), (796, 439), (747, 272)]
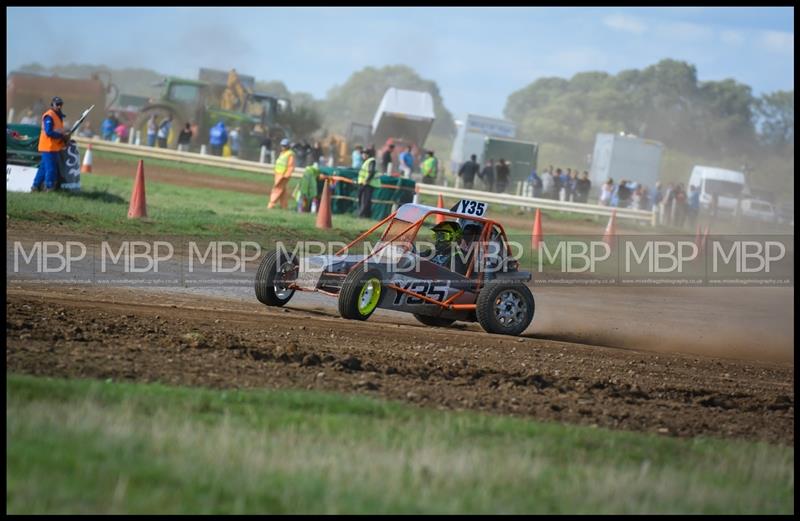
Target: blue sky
[(477, 56)]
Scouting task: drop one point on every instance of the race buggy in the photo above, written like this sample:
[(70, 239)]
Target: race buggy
[(468, 274)]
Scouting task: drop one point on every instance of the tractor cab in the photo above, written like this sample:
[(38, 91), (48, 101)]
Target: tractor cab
[(189, 93)]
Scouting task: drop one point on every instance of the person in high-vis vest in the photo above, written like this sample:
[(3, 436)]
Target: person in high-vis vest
[(52, 140), (367, 182), (429, 167), (284, 167)]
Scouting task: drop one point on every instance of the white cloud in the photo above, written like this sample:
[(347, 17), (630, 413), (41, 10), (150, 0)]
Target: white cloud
[(778, 41), (621, 22), (732, 37), (684, 31)]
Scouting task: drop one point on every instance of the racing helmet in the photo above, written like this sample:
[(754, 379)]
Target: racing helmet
[(471, 231), (447, 232)]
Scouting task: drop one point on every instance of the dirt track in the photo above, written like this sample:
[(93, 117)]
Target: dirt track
[(182, 339)]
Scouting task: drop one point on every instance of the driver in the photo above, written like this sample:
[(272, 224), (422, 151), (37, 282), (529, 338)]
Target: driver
[(447, 236)]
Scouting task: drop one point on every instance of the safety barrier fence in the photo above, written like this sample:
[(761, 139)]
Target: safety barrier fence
[(423, 189)]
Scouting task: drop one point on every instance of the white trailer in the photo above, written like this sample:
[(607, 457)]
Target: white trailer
[(403, 115), (471, 135), (621, 157)]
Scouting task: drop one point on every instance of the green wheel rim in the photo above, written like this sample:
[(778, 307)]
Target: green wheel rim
[(369, 296)]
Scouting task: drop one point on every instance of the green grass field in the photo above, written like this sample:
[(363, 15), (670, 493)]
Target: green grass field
[(102, 206), (86, 446)]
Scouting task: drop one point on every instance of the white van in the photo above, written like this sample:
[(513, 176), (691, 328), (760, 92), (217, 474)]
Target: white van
[(759, 210), (726, 184)]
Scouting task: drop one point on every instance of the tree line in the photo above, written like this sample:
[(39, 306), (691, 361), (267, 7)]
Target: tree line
[(665, 101)]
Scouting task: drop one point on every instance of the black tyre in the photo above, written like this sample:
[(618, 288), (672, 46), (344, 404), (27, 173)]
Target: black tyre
[(505, 308), (271, 279), (361, 294), (434, 321)]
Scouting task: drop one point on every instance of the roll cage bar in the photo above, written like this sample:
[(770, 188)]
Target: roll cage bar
[(415, 226)]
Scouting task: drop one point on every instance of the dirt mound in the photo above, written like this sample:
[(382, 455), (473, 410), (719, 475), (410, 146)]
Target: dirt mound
[(178, 339)]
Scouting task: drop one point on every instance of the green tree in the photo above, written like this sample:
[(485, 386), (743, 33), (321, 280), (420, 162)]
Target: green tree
[(775, 113)]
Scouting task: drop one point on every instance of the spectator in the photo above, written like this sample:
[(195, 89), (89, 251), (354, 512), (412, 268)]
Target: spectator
[(430, 168), (582, 188), (386, 159), (406, 162), (694, 205), (668, 210), (564, 184), (623, 195), (656, 196), (557, 183), (185, 138), (107, 128), (284, 167), (368, 180), (163, 131), (536, 182), (487, 175), (645, 201), (152, 130), (503, 175), (636, 198), (316, 153), (680, 205), (468, 171), (235, 141), (217, 137), (607, 192), (357, 158), (572, 186), (547, 183), (121, 133)]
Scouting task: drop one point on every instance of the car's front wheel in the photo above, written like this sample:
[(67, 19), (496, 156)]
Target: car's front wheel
[(505, 308), (361, 294)]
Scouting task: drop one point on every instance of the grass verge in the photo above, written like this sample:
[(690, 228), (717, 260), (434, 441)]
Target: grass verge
[(102, 206), (90, 446)]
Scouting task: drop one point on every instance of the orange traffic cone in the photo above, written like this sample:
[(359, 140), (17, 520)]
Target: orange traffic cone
[(86, 167), (440, 204), (324, 213), (536, 237), (138, 206), (611, 229)]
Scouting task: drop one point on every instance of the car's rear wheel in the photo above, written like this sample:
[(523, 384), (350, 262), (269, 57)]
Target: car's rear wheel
[(434, 321), (505, 308), (361, 294), (273, 278)]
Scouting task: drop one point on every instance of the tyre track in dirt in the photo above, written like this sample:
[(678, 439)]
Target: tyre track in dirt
[(178, 339)]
